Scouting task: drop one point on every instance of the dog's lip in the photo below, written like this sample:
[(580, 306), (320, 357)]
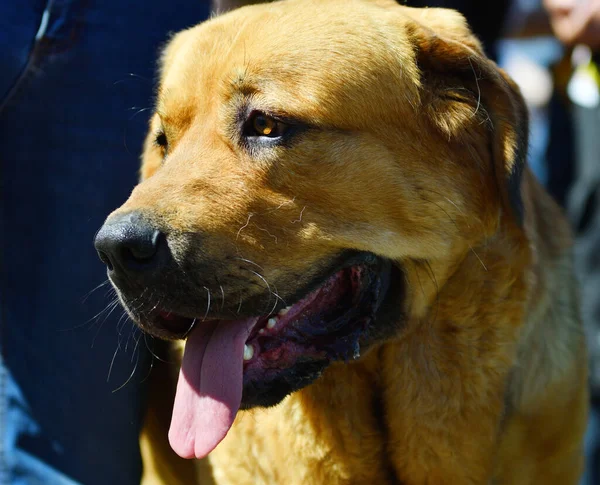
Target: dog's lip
[(168, 323), (266, 325), (308, 329)]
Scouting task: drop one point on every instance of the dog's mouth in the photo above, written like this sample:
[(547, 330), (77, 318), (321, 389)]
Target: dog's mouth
[(233, 364)]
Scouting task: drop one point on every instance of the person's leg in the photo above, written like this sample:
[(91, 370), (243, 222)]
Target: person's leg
[(71, 131), (583, 207)]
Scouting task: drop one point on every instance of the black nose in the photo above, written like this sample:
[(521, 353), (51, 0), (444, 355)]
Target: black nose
[(129, 243)]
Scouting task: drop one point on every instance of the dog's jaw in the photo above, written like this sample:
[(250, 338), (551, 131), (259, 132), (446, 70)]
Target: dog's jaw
[(219, 374)]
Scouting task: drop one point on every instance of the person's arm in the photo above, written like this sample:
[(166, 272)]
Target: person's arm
[(575, 21)]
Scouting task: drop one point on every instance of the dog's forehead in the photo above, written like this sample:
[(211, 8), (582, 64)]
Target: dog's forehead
[(302, 56)]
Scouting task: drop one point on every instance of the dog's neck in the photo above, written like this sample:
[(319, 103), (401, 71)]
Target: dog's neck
[(414, 391), (452, 373), (446, 383), (443, 378)]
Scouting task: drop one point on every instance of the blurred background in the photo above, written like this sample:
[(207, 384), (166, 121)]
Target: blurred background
[(551, 50)]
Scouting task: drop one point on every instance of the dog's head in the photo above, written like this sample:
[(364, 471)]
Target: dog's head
[(301, 156)]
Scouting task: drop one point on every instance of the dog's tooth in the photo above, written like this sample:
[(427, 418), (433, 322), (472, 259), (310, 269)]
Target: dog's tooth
[(248, 352), (271, 322), (261, 331), (283, 311)]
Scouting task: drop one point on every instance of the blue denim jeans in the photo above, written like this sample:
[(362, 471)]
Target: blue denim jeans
[(76, 85)]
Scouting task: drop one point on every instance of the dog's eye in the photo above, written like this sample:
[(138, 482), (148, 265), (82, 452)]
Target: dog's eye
[(259, 124), (161, 140)]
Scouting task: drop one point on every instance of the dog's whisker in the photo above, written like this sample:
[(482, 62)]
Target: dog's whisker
[(137, 342), (112, 362), (454, 222), (141, 295), (131, 331), (207, 304), (130, 375), (271, 292), (150, 367), (120, 327), (457, 227), (263, 279), (274, 305), (93, 320), (141, 304), (88, 294), (113, 307), (132, 75), (477, 256), (445, 197), (250, 262), (455, 205), (114, 302), (443, 210), (279, 297), (139, 110), (190, 328), (222, 298), (122, 321), (155, 306), (151, 350)]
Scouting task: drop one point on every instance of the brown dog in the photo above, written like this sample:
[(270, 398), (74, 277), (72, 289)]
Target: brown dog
[(336, 214)]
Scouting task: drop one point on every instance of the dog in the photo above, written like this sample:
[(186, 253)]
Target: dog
[(336, 215)]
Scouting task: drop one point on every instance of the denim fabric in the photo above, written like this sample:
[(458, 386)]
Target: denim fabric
[(76, 82), (574, 181), (583, 207)]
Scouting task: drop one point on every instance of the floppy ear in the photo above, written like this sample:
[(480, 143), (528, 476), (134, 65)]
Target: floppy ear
[(454, 70)]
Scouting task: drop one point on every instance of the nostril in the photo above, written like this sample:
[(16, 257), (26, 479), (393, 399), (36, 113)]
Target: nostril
[(106, 260), (142, 248), (140, 253), (128, 243)]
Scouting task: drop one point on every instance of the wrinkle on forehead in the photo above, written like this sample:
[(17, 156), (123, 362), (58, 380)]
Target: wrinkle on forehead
[(293, 63)]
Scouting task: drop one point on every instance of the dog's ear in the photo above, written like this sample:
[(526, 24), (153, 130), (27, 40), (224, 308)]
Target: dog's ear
[(454, 71)]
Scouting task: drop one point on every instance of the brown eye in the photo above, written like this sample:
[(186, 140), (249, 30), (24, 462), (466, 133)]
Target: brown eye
[(259, 124), (264, 126), (161, 139)]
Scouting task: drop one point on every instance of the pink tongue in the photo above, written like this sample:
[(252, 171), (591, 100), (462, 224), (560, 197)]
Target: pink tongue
[(209, 390)]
